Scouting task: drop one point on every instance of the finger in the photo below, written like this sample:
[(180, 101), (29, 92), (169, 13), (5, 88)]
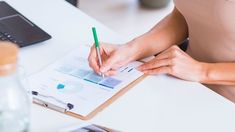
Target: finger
[(107, 64), (164, 55), (94, 65), (92, 52), (103, 49), (93, 62), (155, 64), (168, 53), (104, 55), (111, 73), (160, 70)]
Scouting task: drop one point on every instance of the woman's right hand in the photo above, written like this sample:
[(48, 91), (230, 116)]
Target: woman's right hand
[(113, 57)]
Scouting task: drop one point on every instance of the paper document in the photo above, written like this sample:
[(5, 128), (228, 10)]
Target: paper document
[(71, 80)]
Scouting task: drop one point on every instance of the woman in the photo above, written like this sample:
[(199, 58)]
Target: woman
[(209, 58)]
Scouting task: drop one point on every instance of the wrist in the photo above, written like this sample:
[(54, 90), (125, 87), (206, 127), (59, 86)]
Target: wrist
[(205, 68), (134, 48)]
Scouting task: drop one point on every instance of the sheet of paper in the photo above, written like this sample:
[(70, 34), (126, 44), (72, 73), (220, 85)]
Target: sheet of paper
[(71, 80)]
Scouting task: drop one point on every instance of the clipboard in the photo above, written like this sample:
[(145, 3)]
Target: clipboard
[(132, 76), (95, 111)]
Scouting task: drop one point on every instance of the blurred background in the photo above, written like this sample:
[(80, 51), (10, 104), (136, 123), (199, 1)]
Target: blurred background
[(129, 18)]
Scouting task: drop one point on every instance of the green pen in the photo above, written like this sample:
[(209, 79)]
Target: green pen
[(97, 46)]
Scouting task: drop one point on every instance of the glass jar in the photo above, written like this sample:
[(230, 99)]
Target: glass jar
[(14, 101)]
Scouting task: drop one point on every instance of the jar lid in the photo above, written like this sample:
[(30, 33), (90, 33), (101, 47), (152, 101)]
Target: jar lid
[(8, 58), (8, 53)]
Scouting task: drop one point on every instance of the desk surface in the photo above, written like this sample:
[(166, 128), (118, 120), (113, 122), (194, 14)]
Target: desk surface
[(158, 103)]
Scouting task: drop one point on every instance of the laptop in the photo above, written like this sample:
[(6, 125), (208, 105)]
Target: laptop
[(16, 28)]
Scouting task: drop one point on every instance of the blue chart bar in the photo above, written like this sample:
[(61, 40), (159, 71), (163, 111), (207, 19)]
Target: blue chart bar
[(80, 73), (90, 76), (108, 82), (93, 77)]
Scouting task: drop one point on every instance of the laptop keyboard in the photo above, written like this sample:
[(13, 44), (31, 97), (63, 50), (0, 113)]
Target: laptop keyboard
[(4, 36)]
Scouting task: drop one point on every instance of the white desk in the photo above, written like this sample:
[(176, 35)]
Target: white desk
[(157, 104)]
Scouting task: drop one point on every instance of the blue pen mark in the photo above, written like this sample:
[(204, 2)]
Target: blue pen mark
[(60, 86), (130, 70), (124, 69)]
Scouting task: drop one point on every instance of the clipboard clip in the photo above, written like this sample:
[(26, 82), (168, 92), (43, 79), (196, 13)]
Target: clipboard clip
[(50, 105)]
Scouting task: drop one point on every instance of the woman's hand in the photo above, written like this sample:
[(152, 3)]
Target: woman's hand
[(177, 63), (113, 56)]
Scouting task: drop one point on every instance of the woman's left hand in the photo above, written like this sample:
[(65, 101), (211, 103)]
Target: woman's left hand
[(177, 63)]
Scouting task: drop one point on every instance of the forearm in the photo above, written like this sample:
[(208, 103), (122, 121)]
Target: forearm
[(170, 31), (219, 73)]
